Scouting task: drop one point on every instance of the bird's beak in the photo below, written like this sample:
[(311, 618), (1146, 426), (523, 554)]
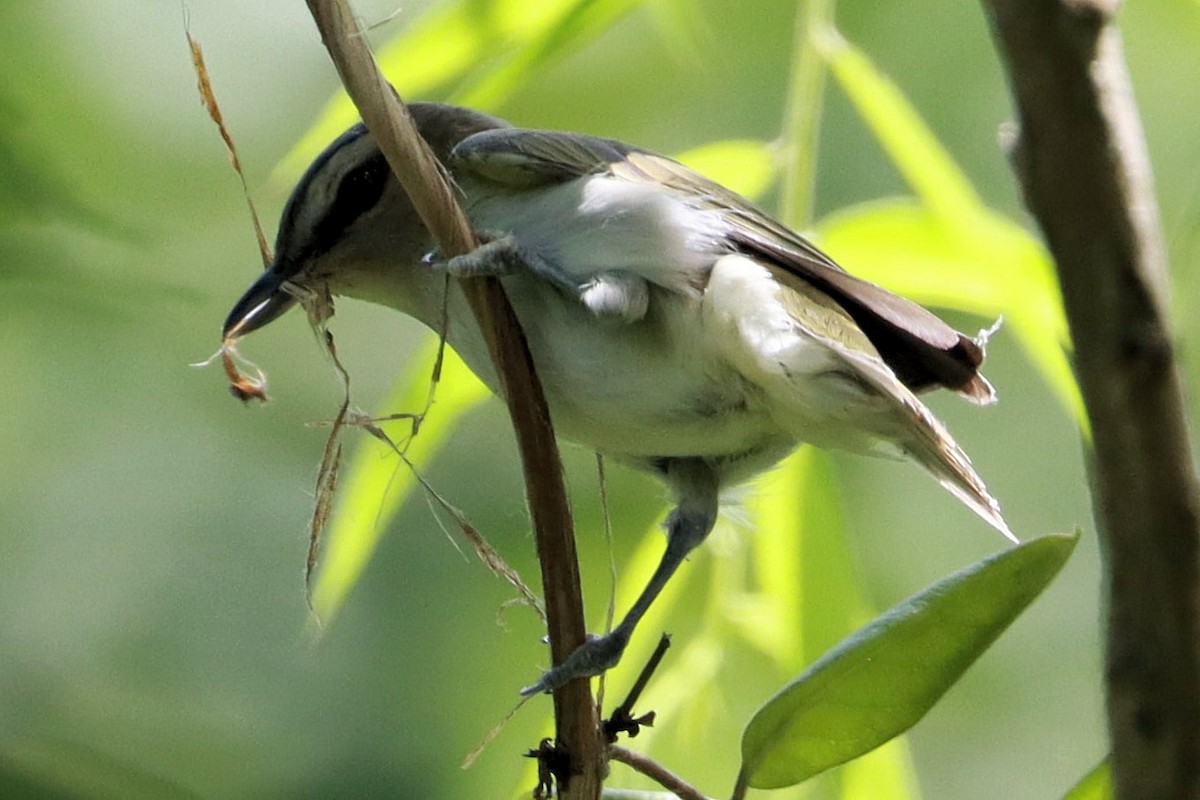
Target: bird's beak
[(262, 303)]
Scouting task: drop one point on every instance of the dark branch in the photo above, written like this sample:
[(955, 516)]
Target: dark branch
[(1083, 165), (419, 173)]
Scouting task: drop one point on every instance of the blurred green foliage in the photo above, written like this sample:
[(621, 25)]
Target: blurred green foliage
[(154, 532)]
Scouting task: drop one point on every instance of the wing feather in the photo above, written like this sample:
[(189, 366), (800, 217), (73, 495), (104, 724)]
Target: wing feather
[(922, 350)]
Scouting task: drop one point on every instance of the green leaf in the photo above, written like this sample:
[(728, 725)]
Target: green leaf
[(809, 592), (436, 48), (810, 596), (925, 164), (1012, 273), (561, 34), (378, 483), (878, 682), (1096, 785), (489, 48)]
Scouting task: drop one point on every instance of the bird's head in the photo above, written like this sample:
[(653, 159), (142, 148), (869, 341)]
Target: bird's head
[(349, 225)]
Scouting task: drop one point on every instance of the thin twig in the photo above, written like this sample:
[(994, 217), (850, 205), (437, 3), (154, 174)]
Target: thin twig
[(622, 719), (656, 772), (420, 174), (209, 98), (802, 123), (484, 551)]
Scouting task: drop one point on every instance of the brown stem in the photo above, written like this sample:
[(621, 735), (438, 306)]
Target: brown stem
[(418, 171), (656, 772), (1083, 166)]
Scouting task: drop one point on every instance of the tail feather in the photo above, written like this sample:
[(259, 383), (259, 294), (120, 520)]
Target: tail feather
[(870, 409), (932, 446)]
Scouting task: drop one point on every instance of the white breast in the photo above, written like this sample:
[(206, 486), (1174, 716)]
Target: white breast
[(656, 387)]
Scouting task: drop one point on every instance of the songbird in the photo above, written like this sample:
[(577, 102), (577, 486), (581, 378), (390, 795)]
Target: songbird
[(675, 326)]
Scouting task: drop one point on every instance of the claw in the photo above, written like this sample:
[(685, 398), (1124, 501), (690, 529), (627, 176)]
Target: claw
[(591, 658)]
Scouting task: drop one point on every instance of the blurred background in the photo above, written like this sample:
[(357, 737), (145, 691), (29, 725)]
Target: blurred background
[(153, 531)]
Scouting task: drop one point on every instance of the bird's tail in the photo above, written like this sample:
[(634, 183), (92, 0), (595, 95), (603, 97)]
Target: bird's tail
[(932, 446)]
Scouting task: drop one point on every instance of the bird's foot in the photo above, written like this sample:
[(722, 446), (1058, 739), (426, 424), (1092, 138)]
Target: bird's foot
[(593, 657), (496, 256)]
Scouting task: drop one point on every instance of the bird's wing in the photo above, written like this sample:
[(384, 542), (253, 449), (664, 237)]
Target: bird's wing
[(922, 350), (524, 159)]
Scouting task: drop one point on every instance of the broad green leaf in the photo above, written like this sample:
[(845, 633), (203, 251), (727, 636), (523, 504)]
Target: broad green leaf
[(1096, 785), (378, 483), (993, 268), (743, 165), (878, 682)]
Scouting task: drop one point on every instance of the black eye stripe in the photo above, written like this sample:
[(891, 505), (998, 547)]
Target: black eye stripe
[(361, 181), (357, 193)]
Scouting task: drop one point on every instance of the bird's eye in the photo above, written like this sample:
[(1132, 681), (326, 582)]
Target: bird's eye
[(357, 193), (361, 187)]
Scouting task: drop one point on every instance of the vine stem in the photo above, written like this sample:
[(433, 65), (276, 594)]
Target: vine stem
[(805, 103), (386, 116)]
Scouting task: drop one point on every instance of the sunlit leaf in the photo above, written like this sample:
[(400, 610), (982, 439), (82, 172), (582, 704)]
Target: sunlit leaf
[(957, 254), (487, 48), (997, 269), (377, 483), (437, 48), (809, 594), (743, 165), (1096, 785), (578, 23), (688, 35), (885, 773), (881, 680)]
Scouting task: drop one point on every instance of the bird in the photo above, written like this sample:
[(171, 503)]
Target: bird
[(675, 327)]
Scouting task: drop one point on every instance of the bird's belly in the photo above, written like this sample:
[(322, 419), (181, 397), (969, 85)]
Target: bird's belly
[(649, 388), (641, 413)]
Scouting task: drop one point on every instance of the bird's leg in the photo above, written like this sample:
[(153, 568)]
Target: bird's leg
[(496, 256), (613, 295), (687, 526)]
